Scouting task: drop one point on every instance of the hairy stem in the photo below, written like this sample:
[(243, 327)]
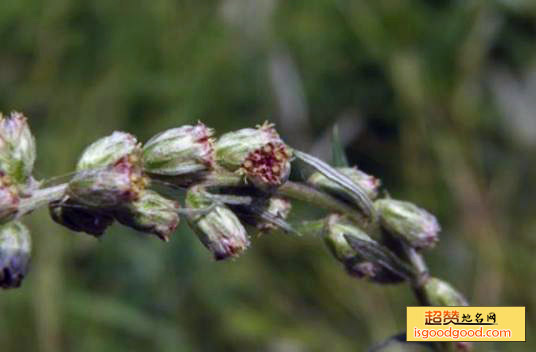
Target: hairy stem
[(40, 198)]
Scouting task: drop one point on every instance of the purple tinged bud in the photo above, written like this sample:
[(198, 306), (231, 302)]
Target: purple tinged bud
[(9, 200), (440, 293), (109, 187), (150, 213), (15, 251), (180, 151), (406, 221), (219, 229), (368, 183), (17, 148), (109, 173), (374, 273), (258, 153), (80, 218)]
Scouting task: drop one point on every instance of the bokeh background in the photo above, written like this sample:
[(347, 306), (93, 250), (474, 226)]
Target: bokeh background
[(437, 98)]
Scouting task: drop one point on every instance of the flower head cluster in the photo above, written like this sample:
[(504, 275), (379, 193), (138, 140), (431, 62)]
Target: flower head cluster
[(235, 185), (113, 174), (111, 185)]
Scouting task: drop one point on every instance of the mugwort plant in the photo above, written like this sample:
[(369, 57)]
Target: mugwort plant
[(236, 185)]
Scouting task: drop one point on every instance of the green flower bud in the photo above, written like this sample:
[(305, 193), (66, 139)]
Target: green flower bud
[(17, 148), (9, 200), (109, 187), (15, 250), (337, 228), (108, 151), (219, 230), (259, 153), (80, 218), (406, 221), (179, 151), (151, 213), (357, 264), (368, 183), (440, 293)]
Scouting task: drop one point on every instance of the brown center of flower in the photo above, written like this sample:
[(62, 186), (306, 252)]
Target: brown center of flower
[(268, 163)]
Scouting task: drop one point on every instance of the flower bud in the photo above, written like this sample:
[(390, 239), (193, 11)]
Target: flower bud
[(219, 230), (17, 148), (358, 264), (373, 272), (109, 187), (179, 151), (440, 293), (108, 151), (15, 250), (278, 208), (337, 228), (80, 218), (259, 153), (9, 200), (368, 183), (266, 214), (151, 213), (406, 221)]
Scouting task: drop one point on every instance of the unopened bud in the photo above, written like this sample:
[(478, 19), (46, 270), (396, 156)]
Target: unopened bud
[(259, 153), (277, 208), (373, 272), (406, 221), (108, 151), (219, 229), (264, 213), (109, 187), (440, 293), (15, 251), (180, 151), (17, 148), (368, 183), (151, 213), (358, 264), (9, 200), (80, 218), (337, 228)]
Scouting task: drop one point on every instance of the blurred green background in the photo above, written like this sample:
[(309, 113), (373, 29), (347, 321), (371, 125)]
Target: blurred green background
[(437, 98)]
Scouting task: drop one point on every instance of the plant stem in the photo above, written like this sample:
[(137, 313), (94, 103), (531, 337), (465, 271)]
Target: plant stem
[(313, 196), (40, 198)]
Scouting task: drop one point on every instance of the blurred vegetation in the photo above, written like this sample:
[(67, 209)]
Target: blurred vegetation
[(437, 98)]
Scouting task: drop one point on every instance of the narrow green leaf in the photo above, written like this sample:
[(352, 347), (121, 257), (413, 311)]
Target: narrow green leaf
[(338, 156)]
